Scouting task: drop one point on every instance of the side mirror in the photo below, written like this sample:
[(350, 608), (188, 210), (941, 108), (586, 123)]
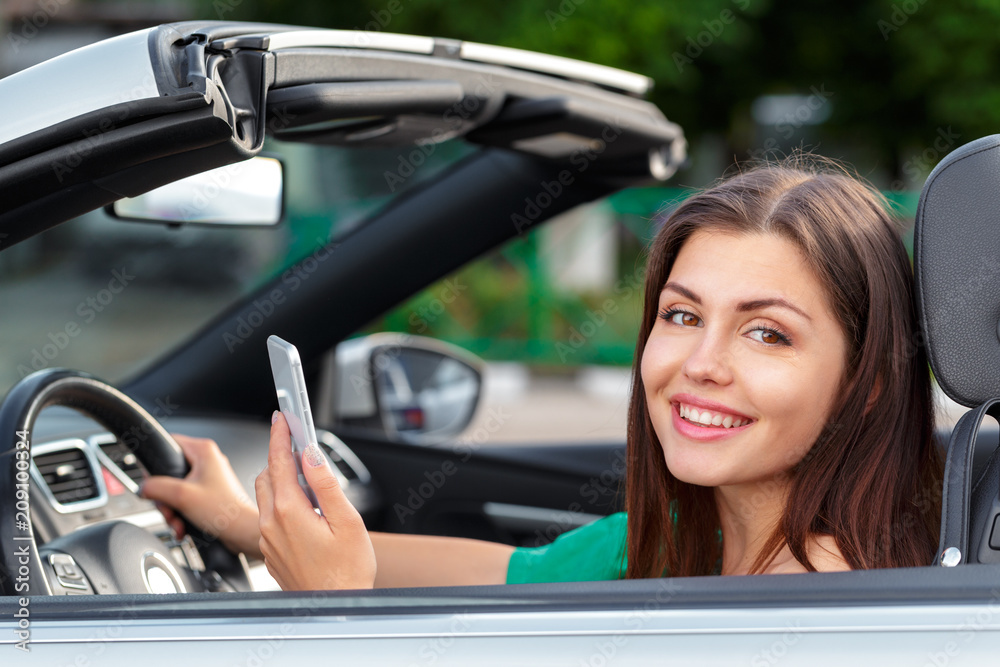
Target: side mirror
[(409, 388), (243, 193)]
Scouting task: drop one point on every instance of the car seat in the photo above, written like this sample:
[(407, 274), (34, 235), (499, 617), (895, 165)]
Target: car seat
[(957, 268)]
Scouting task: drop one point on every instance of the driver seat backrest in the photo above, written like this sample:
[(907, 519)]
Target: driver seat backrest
[(957, 268)]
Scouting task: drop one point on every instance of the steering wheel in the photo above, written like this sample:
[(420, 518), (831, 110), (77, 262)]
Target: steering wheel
[(116, 556)]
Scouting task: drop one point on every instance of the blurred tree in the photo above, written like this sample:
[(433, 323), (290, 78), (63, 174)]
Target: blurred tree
[(905, 80)]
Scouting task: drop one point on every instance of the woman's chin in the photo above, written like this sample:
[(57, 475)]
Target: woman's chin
[(696, 472)]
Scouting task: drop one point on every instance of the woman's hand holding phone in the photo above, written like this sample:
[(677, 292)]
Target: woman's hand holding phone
[(303, 550)]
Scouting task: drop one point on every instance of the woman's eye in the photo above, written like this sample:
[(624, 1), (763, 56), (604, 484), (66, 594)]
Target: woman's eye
[(768, 336), (682, 317)]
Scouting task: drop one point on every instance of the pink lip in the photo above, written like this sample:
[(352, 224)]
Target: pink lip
[(703, 433)]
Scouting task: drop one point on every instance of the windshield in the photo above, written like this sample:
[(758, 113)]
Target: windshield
[(108, 296)]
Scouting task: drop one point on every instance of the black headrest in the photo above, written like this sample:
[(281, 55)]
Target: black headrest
[(957, 264)]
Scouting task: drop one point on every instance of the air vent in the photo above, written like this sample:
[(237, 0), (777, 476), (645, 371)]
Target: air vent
[(68, 474), (126, 461)]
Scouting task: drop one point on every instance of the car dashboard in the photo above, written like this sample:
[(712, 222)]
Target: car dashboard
[(83, 476)]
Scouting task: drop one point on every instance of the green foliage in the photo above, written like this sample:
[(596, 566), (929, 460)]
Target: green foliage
[(898, 70), (502, 308)]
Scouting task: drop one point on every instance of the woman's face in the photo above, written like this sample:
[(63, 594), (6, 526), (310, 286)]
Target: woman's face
[(744, 361)]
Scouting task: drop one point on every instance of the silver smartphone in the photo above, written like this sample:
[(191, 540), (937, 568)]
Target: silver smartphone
[(293, 401)]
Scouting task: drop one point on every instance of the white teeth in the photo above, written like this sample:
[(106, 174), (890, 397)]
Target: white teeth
[(708, 418)]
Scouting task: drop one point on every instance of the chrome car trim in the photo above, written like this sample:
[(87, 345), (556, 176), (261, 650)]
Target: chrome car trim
[(930, 623), (353, 39), (473, 51), (59, 445), (92, 77), (153, 561), (557, 65)]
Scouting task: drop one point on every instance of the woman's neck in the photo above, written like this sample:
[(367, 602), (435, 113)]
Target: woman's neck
[(748, 514)]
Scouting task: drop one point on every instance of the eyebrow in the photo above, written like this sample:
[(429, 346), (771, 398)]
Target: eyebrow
[(743, 306)]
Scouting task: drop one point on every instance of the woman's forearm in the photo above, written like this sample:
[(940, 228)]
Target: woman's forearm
[(427, 560)]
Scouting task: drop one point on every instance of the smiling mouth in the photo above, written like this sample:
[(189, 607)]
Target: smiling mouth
[(710, 418)]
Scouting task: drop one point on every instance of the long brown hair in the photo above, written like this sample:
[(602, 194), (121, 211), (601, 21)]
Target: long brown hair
[(872, 479)]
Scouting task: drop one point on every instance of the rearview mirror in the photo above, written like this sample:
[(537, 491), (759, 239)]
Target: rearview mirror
[(243, 193), (409, 388)]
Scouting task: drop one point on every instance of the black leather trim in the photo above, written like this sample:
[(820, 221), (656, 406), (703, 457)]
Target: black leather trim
[(957, 513), (984, 509), (957, 270)]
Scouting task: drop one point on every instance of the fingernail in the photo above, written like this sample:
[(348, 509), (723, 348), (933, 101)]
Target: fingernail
[(274, 416), (314, 457)]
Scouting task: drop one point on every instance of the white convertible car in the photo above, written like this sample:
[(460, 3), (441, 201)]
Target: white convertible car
[(473, 145)]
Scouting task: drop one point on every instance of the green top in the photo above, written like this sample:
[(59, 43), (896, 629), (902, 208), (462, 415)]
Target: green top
[(595, 552)]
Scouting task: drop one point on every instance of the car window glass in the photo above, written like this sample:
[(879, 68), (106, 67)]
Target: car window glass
[(108, 296)]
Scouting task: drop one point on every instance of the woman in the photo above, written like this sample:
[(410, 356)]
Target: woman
[(780, 419)]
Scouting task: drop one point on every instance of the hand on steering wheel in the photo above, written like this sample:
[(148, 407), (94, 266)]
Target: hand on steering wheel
[(210, 496), (116, 557)]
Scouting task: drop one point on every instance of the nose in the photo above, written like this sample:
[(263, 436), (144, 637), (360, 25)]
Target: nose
[(710, 359)]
